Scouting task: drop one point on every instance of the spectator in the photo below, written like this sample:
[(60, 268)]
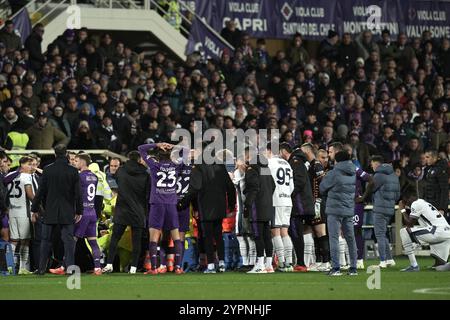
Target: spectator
[(347, 52), (10, 39), (58, 121), (436, 181), (328, 47), (44, 136), (438, 136), (360, 151), (297, 54), (231, 34), (106, 137), (366, 45), (33, 45), (83, 138)]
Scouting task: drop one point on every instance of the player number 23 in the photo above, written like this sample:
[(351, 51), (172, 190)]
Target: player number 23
[(166, 180)]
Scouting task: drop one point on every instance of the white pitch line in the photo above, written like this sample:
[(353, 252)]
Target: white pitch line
[(440, 291)]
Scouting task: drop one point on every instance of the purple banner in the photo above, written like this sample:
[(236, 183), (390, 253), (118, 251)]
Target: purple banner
[(280, 19), (22, 24), (207, 42)]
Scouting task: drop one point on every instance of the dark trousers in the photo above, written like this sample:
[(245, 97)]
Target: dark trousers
[(263, 238), (136, 239), (36, 243), (296, 233), (212, 233), (68, 240)]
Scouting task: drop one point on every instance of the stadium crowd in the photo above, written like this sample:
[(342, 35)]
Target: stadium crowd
[(387, 98)]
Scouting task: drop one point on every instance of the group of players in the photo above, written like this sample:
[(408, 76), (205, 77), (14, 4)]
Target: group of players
[(289, 225)]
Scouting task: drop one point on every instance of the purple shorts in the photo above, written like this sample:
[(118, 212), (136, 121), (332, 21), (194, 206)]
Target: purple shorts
[(4, 222), (358, 218), (86, 227), (183, 218), (163, 216)]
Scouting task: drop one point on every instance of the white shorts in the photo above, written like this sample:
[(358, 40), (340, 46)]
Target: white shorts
[(281, 217), (19, 228), (437, 237), (431, 235)]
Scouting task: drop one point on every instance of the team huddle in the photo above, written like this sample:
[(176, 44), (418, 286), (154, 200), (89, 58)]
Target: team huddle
[(288, 210)]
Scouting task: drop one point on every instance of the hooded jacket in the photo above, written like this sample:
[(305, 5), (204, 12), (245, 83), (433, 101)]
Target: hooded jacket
[(339, 186), (131, 205), (386, 190), (259, 188), (211, 185)]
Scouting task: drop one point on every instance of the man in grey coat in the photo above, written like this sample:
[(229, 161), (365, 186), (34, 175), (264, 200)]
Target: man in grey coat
[(339, 187), (386, 191)]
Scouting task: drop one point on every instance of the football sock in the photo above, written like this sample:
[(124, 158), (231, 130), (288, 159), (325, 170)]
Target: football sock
[(162, 255), (317, 250), (408, 247), (178, 252), (243, 249), (279, 249), (269, 262), (24, 252), (16, 255), (211, 266), (153, 250), (260, 262), (324, 248), (96, 253), (308, 239), (287, 244), (251, 252)]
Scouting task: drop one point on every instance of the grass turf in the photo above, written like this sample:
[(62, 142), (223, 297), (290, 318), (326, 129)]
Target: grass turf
[(233, 285)]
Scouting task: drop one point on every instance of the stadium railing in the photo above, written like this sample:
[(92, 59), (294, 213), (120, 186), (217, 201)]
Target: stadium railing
[(44, 152)]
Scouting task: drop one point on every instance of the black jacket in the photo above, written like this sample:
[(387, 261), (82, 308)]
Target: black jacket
[(59, 193), (33, 45), (258, 192), (436, 185), (131, 206), (102, 140), (302, 198), (213, 189)]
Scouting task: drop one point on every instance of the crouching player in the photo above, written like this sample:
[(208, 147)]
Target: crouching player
[(433, 229)]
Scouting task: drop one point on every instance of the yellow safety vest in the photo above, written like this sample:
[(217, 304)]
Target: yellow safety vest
[(19, 142), (173, 15)]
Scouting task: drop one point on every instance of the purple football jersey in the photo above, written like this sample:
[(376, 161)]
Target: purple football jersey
[(164, 177), (88, 184), (361, 176), (183, 181)]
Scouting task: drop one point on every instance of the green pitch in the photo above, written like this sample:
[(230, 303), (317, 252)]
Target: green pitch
[(233, 285)]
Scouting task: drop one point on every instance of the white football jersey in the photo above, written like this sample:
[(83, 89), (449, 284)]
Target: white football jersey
[(283, 176), (18, 203), (427, 214)]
